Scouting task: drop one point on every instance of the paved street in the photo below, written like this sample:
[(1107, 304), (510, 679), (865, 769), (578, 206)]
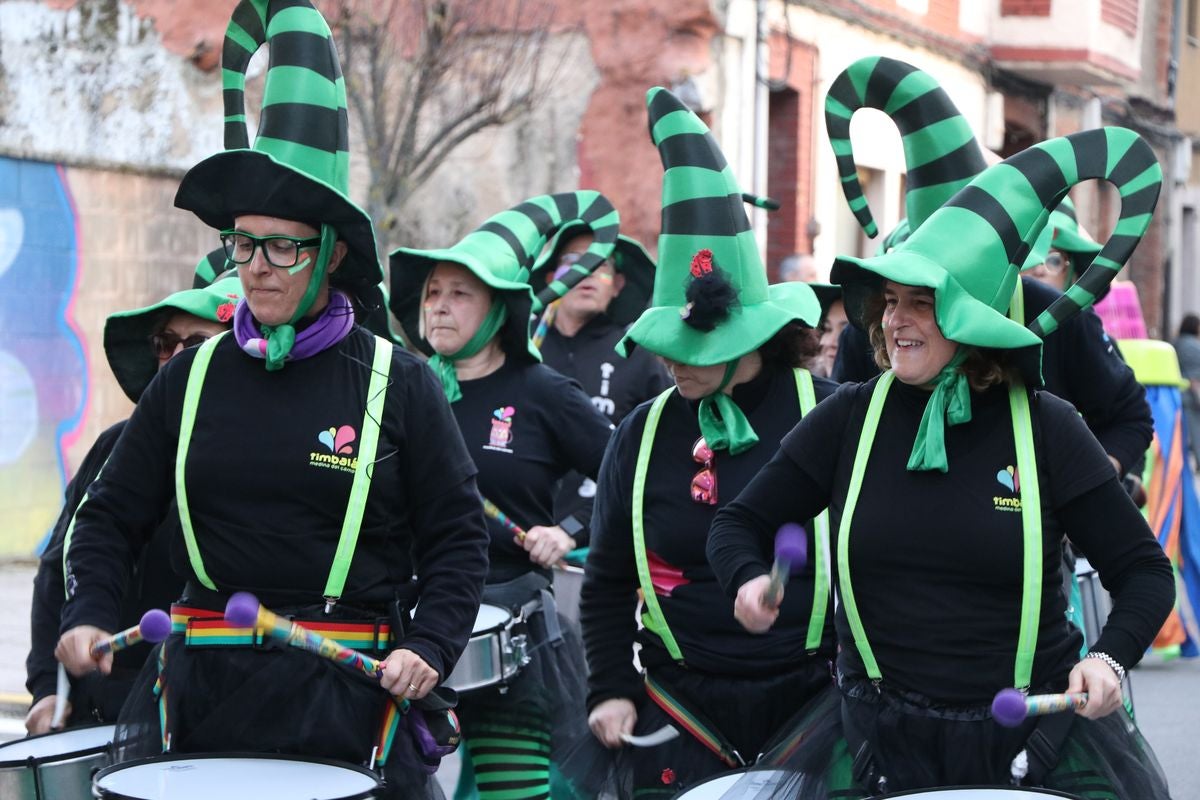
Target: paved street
[(1164, 692)]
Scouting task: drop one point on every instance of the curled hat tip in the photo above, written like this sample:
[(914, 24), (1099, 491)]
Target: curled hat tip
[(242, 609), (1008, 708), (791, 544), (155, 625)]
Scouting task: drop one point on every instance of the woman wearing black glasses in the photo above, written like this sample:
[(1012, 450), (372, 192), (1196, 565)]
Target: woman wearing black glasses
[(733, 347), (138, 343)]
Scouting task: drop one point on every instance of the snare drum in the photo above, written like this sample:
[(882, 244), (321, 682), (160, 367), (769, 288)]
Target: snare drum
[(983, 793), (54, 766), (221, 776), (1096, 601), (748, 783), (493, 655), (568, 582)]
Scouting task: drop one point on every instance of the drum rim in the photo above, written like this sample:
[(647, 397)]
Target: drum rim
[(504, 625), (28, 761), (104, 794), (1033, 791)]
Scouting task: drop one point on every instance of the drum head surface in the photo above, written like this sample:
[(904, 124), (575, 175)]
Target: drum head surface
[(53, 746), (750, 784), (982, 793), (490, 617), (221, 777)]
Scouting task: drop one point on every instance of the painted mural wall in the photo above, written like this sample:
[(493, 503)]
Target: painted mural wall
[(43, 375)]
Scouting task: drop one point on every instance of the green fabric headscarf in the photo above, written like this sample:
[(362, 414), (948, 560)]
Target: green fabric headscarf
[(950, 402), (280, 338), (723, 424), (443, 366)]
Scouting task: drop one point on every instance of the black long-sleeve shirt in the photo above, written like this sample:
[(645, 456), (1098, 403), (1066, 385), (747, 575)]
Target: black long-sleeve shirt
[(1080, 364), (936, 559), (268, 475), (700, 616), (526, 426), (615, 385)]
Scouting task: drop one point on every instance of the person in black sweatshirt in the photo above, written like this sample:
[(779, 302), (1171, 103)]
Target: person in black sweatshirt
[(951, 481), (734, 347), (579, 336), (312, 464), (525, 426), (137, 344)]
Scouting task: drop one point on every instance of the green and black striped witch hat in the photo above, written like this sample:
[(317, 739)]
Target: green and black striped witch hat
[(940, 149), (970, 250), (629, 258), (501, 252), (711, 301), (299, 165)]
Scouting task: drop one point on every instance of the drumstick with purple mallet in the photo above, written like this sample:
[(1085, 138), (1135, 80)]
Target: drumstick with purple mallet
[(244, 611), (154, 626), (791, 552), (1010, 707)]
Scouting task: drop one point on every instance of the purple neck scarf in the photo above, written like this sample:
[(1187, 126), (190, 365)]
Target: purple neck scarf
[(329, 328)]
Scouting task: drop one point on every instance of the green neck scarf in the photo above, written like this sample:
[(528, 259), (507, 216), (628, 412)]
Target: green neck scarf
[(280, 338), (950, 402), (723, 424), (444, 365)]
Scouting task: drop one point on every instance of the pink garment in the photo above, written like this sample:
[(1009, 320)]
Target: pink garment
[(1121, 312)]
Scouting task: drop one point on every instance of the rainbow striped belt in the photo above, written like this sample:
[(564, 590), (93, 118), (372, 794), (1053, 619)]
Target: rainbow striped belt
[(203, 627)]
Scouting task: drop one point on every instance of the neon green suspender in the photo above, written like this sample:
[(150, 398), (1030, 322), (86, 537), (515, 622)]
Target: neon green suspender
[(1031, 526), (653, 617), (356, 505)]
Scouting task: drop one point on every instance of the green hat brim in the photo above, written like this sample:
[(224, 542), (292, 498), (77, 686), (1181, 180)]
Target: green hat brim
[(960, 316), (630, 259), (127, 333), (236, 182), (663, 332), (1072, 242), (410, 267)]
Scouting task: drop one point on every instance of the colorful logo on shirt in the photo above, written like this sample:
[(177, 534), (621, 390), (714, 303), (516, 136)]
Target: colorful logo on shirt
[(501, 435), (337, 453), (1010, 479)]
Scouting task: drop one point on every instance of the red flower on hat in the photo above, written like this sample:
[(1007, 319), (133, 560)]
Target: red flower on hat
[(668, 774), (702, 263), (225, 312)]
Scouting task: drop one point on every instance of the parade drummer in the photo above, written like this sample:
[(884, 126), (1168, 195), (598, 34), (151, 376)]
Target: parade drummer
[(1080, 363), (525, 426), (734, 347), (300, 451), (138, 343), (955, 426), (581, 332)]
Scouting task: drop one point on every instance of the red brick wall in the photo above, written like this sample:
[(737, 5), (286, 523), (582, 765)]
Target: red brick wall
[(1024, 8), (789, 149), (1121, 13)]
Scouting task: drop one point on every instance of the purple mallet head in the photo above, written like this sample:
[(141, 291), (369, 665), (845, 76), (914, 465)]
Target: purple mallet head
[(155, 625), (242, 609), (791, 545), (1009, 708)]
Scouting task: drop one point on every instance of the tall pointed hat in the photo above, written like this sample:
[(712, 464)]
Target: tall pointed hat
[(500, 252), (970, 250), (940, 150), (629, 258), (127, 333), (707, 249), (299, 165)]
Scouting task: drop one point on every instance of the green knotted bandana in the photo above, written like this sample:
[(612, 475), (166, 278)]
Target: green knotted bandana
[(950, 402), (723, 424), (443, 366), (280, 338)]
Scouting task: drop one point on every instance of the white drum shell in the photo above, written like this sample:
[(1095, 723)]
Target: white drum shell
[(54, 766)]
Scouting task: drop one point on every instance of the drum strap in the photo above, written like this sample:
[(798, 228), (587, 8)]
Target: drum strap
[(694, 722), (359, 488), (653, 619), (1031, 526)]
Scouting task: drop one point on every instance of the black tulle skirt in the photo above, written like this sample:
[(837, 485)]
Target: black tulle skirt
[(277, 700), (916, 745)]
